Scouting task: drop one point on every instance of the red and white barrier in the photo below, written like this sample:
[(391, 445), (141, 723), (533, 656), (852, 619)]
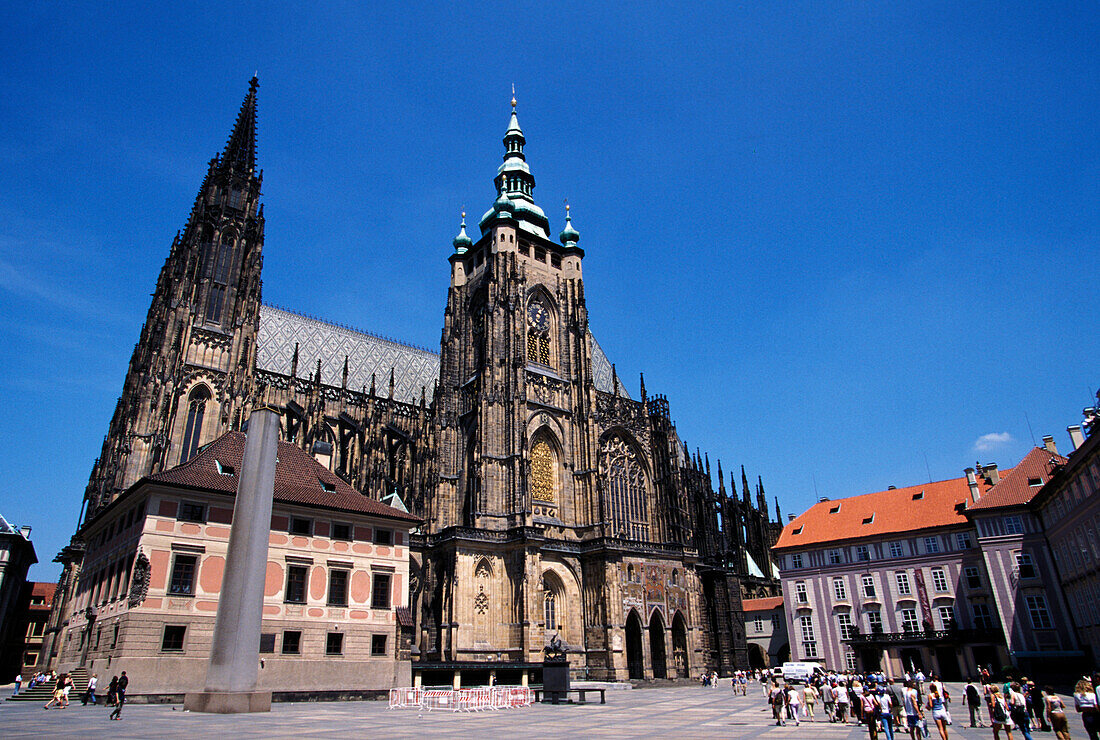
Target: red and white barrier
[(462, 700)]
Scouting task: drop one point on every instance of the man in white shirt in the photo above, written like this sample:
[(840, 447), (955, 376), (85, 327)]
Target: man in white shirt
[(89, 695)]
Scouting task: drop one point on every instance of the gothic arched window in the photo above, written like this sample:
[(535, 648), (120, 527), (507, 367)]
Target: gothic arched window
[(196, 409), (219, 273), (543, 471), (552, 602), (624, 481), (538, 333)]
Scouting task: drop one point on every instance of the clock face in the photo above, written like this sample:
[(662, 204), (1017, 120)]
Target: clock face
[(538, 317)]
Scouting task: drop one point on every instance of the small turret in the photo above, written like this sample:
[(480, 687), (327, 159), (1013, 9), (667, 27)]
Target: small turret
[(462, 242), (569, 236)]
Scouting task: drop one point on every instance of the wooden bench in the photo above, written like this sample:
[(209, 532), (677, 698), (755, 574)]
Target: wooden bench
[(581, 695)]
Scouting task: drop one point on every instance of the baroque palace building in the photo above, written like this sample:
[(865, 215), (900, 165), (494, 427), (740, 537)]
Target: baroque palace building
[(552, 502)]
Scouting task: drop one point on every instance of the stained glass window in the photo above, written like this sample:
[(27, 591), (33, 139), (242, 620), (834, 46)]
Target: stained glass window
[(625, 483), (542, 472)]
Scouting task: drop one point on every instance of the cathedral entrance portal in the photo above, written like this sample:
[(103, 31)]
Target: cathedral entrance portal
[(635, 662), (657, 645), (679, 645)]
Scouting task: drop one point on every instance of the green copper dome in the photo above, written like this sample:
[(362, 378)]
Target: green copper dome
[(462, 242), (569, 236)]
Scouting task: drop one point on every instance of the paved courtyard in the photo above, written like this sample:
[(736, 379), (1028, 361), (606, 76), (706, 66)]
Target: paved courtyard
[(681, 712)]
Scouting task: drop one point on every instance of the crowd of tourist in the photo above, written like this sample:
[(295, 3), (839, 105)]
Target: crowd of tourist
[(915, 706)]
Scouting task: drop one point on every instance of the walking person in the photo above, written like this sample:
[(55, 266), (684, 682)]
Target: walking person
[(886, 716), (974, 703), (940, 714), (843, 700), (1084, 701), (809, 698), (1037, 706), (794, 704), (123, 682), (1056, 714), (18, 683), (999, 714), (1017, 710), (777, 701), (89, 695), (869, 710), (58, 693), (914, 714)]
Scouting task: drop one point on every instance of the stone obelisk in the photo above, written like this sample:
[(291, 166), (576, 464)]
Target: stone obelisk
[(234, 668)]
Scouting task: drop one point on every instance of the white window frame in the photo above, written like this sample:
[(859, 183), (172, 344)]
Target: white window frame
[(801, 595), (909, 617), (897, 550), (835, 557), (946, 614), (905, 587), (863, 553), (1037, 607), (1014, 524), (932, 545), (963, 541), (939, 580), (796, 560), (840, 590), (874, 621), (845, 626), (868, 590)]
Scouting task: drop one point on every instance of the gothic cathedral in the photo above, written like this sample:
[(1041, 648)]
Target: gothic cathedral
[(553, 503)]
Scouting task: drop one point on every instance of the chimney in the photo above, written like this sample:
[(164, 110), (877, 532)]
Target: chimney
[(1076, 438), (25, 530), (1048, 444), (972, 481), (990, 473)]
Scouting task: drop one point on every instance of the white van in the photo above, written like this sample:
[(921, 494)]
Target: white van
[(802, 672)]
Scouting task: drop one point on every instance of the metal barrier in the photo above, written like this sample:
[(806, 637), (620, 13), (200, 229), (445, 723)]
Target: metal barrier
[(462, 700)]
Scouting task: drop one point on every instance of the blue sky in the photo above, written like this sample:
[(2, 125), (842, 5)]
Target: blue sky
[(844, 239)]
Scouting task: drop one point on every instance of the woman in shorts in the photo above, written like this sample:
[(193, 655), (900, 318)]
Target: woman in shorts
[(1056, 713), (939, 710)]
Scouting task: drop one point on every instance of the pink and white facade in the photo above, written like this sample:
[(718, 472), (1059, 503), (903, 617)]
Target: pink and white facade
[(337, 578)]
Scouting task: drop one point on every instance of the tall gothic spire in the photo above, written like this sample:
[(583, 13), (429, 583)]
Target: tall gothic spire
[(240, 150), (515, 183)]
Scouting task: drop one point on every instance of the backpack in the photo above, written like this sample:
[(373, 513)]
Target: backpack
[(1000, 714)]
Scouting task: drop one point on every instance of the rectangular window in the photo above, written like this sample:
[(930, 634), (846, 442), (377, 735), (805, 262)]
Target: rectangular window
[(874, 620), (172, 640), (341, 531), (835, 557), (844, 621), (1037, 610), (947, 617), (863, 552), (267, 642), (758, 624), (796, 560), (296, 584), (868, 587), (963, 541), (191, 512), (183, 576), (338, 588), (1014, 524), (292, 642), (909, 621), (378, 645), (896, 550), (800, 592), (839, 591), (939, 580), (776, 622), (904, 587), (931, 544), (983, 620), (850, 660), (1025, 565), (380, 594), (383, 537), (809, 640), (301, 526), (973, 577), (334, 645)]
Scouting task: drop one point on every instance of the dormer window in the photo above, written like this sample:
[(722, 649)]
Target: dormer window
[(918, 496), (224, 469), (1034, 482), (327, 487), (869, 519), (835, 509)]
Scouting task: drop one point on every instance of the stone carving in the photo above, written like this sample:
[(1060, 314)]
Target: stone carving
[(139, 582)]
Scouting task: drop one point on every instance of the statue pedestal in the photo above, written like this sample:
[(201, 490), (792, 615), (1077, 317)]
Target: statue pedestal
[(555, 680), (227, 702)]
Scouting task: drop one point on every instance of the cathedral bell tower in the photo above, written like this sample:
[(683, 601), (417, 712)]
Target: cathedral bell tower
[(190, 375), (515, 361)]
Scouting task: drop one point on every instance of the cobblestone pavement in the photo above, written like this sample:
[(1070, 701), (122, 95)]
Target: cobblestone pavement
[(680, 712)]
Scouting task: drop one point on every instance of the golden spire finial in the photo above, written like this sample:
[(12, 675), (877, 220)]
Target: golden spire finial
[(513, 96)]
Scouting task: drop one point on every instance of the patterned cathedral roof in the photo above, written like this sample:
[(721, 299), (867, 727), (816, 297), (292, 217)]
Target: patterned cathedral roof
[(413, 367)]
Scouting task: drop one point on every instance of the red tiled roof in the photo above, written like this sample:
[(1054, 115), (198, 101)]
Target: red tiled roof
[(765, 604), (298, 478), (44, 590), (892, 511), (1014, 488)]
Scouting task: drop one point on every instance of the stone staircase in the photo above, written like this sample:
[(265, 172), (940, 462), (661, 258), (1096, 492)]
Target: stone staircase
[(43, 692)]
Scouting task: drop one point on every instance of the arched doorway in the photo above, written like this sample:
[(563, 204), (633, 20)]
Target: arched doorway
[(635, 661), (657, 645), (679, 645), (757, 657)]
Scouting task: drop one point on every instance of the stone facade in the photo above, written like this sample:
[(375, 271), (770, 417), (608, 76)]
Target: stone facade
[(553, 502), (766, 626), (16, 557)]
